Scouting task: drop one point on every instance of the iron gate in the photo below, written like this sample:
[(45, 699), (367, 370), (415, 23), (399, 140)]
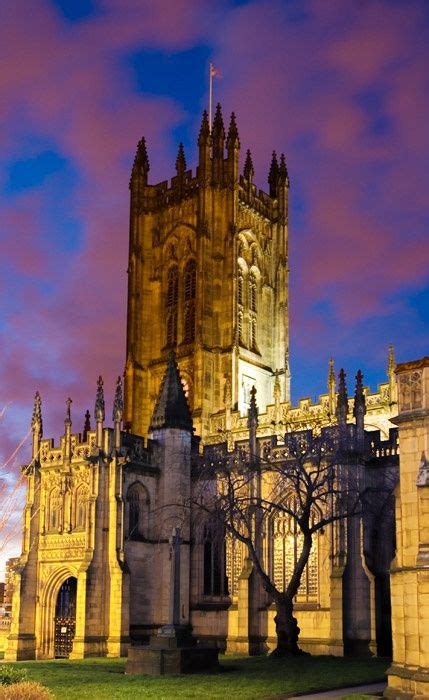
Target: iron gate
[(65, 619)]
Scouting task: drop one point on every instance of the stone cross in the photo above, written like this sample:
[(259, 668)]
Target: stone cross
[(175, 542)]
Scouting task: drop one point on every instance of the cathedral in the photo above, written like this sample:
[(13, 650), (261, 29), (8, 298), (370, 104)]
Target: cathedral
[(207, 329)]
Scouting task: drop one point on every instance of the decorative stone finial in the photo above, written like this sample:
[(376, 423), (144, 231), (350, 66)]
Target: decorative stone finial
[(253, 408), (67, 421), (36, 419), (141, 161), (359, 407), (331, 386), (99, 402), (273, 175), (283, 173), (248, 170), (218, 130), (391, 364), (204, 130), (180, 160), (342, 399), (87, 426), (232, 141), (118, 403)]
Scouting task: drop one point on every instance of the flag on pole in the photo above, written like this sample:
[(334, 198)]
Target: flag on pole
[(213, 73)]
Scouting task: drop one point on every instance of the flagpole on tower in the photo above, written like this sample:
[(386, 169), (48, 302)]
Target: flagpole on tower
[(211, 73)]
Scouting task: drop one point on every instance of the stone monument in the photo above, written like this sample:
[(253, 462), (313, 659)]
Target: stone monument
[(173, 650)]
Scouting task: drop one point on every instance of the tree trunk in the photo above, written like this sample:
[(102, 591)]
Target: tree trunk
[(286, 628)]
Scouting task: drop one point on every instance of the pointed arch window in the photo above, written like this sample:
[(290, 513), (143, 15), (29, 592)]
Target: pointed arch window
[(252, 293), (253, 308), (138, 511), (240, 306), (240, 283), (172, 304), (189, 294), (215, 580)]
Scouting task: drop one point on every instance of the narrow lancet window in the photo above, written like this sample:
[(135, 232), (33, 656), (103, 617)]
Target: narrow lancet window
[(172, 304), (189, 293)]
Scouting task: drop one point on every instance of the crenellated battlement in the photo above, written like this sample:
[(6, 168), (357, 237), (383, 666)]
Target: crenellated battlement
[(281, 417)]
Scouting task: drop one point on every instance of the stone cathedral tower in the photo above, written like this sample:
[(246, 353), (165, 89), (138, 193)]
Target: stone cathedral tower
[(208, 278)]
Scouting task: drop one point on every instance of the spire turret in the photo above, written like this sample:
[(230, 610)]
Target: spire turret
[(204, 136), (86, 426), (118, 412), (204, 151), (331, 386), (36, 418), (67, 430), (141, 165), (99, 411), (171, 408), (233, 148), (273, 175), (283, 173), (232, 141), (218, 129), (180, 161), (359, 410), (218, 140), (248, 167), (342, 399), (37, 424), (391, 364)]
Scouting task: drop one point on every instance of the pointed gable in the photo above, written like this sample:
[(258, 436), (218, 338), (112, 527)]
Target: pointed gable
[(171, 408)]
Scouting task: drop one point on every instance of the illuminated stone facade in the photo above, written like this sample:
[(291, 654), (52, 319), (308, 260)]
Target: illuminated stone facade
[(207, 277), (409, 673)]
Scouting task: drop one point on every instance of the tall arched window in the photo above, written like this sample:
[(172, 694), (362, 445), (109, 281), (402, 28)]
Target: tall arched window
[(55, 509), (253, 307), (240, 288), (172, 304), (189, 293), (215, 580), (252, 293), (240, 306), (138, 508)]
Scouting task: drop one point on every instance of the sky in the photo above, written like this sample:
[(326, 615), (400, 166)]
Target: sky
[(341, 86)]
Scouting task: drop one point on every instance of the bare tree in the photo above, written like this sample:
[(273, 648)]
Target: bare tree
[(315, 480)]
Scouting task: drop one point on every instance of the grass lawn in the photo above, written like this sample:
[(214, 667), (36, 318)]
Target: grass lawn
[(239, 677)]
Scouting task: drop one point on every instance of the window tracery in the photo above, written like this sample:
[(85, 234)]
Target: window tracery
[(287, 545), (172, 304), (189, 292), (253, 308)]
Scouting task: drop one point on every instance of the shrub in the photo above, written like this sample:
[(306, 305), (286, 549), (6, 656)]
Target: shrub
[(26, 690), (10, 675)]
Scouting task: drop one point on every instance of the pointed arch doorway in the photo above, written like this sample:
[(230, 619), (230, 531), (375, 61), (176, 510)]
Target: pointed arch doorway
[(65, 618)]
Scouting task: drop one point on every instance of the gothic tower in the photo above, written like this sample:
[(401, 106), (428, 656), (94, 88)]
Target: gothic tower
[(207, 278)]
